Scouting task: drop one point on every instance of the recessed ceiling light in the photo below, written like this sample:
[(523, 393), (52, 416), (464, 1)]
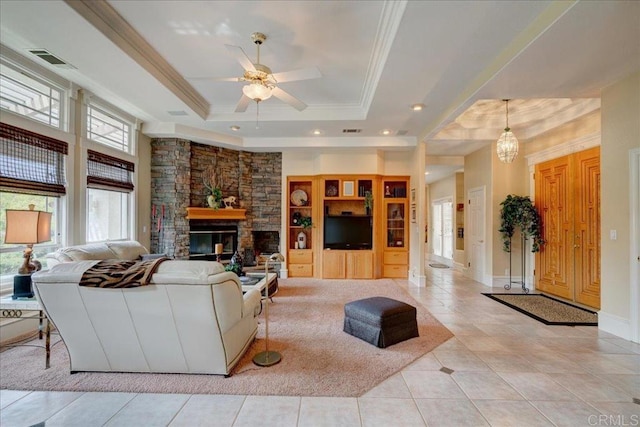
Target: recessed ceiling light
[(426, 173), (385, 132), (417, 107), (317, 132), (235, 128)]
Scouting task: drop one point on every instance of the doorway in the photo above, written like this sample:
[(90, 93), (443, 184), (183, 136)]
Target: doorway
[(476, 229), (442, 215), (567, 196)]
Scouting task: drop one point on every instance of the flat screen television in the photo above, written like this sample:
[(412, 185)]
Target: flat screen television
[(348, 232)]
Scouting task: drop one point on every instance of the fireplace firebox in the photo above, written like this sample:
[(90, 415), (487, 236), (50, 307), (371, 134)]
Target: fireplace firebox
[(203, 239)]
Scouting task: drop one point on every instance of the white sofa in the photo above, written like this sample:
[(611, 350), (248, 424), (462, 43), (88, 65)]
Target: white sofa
[(191, 318), (129, 249)]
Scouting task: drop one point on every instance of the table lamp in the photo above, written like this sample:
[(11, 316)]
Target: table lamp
[(27, 227)]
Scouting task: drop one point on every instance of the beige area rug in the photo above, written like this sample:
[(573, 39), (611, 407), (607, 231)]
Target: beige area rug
[(305, 326)]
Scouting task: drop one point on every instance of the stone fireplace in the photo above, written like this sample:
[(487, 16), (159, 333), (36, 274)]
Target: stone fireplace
[(255, 179)]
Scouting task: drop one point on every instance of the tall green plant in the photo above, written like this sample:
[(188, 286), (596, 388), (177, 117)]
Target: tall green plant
[(518, 211)]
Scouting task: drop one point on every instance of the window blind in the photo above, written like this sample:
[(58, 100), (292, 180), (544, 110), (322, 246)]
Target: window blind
[(109, 172), (30, 162)]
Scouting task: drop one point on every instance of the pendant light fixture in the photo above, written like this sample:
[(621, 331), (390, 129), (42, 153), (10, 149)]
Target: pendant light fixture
[(507, 146)]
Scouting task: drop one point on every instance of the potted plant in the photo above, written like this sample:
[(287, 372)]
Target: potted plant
[(518, 211), (305, 222), (368, 202), (211, 182)]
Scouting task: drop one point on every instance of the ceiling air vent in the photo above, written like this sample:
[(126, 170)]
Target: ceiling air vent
[(402, 132), (176, 113), (50, 58), (351, 130)]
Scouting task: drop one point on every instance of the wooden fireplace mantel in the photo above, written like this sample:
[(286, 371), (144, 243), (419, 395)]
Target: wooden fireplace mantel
[(210, 213)]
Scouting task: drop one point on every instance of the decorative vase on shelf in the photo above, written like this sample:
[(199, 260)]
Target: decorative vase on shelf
[(302, 240)]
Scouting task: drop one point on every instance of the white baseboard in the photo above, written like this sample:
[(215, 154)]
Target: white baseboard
[(284, 273), (500, 281), (615, 325), (418, 280), (458, 266)]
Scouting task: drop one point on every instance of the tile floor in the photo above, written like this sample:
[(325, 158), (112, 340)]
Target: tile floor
[(508, 370)]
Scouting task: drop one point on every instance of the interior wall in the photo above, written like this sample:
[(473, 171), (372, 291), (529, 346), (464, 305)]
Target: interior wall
[(509, 178), (417, 160), (620, 134), (585, 125), (143, 191)]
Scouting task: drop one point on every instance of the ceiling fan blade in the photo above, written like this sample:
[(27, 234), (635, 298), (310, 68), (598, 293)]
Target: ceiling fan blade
[(243, 104), (295, 75), (242, 57), (215, 79), (289, 99)]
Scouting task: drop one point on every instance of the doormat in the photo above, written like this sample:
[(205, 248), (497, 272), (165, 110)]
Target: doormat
[(547, 310), (438, 265)]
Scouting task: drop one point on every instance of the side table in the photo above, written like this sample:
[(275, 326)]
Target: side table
[(15, 308)]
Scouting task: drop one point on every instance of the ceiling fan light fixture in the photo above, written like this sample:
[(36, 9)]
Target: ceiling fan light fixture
[(257, 91), (507, 146)]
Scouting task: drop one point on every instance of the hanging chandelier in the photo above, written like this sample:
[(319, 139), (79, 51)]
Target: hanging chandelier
[(507, 146)]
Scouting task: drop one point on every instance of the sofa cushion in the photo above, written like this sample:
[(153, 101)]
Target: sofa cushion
[(127, 250), (88, 252)]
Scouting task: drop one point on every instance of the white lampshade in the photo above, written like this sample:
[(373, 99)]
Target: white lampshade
[(257, 91), (28, 227), (507, 147)]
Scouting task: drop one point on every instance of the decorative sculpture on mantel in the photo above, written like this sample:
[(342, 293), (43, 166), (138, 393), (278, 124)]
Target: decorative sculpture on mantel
[(229, 202)]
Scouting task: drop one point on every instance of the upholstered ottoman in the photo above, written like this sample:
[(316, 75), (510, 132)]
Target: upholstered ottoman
[(380, 321)]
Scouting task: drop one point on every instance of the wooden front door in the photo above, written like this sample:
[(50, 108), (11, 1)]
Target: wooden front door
[(568, 199)]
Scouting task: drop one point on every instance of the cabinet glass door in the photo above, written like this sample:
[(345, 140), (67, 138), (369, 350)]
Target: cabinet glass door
[(396, 218)]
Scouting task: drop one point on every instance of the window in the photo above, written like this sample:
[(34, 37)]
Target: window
[(108, 129), (27, 95), (11, 255), (107, 215), (109, 187)]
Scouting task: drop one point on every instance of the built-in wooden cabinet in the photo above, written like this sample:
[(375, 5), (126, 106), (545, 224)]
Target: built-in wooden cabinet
[(396, 219), (301, 263), (323, 198), (300, 237), (341, 264)]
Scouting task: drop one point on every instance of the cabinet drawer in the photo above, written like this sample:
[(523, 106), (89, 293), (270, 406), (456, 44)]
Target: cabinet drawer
[(396, 258), (300, 270), (300, 256), (395, 271)]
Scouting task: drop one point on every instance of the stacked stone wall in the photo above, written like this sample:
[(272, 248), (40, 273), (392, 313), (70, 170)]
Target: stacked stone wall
[(170, 188), (178, 167)]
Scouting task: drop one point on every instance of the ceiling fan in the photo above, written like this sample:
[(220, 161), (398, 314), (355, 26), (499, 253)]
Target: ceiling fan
[(261, 82)]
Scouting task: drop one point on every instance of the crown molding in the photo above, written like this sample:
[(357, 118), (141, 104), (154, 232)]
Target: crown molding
[(573, 146), (109, 22)]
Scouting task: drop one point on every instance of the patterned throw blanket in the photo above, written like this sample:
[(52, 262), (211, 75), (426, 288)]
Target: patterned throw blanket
[(112, 273)]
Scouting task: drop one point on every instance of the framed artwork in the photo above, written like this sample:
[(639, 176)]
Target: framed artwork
[(414, 213), (348, 188), (413, 195)]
